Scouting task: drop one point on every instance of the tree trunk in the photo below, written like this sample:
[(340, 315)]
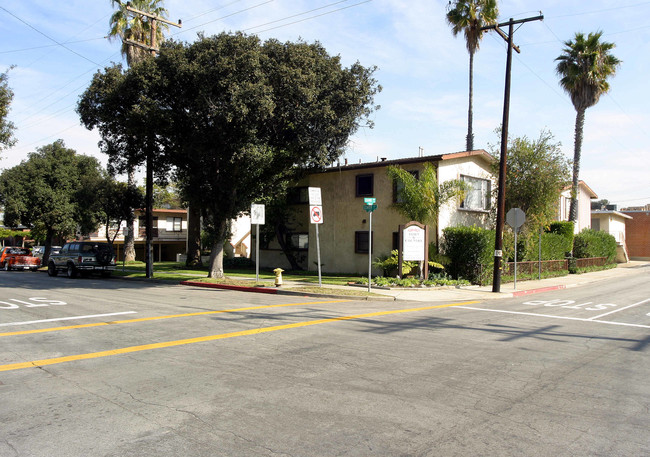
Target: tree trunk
[(577, 152), (49, 235), (129, 236), (193, 237), (216, 257), (470, 113), (289, 254)]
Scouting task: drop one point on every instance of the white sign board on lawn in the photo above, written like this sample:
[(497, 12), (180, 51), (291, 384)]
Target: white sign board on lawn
[(413, 243)]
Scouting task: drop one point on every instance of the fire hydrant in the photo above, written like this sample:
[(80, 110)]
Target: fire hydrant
[(278, 276)]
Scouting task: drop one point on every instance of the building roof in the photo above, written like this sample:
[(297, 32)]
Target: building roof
[(615, 213), (591, 193), (410, 160)]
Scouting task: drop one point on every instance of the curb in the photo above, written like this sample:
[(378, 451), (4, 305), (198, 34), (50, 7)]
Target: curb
[(536, 291), (265, 290)]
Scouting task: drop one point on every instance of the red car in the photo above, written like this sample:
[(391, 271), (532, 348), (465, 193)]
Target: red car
[(13, 258)]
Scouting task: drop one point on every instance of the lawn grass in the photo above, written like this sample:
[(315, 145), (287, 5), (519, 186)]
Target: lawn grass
[(172, 270)]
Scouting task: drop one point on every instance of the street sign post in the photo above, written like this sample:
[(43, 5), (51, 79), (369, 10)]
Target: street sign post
[(515, 218), (316, 217), (370, 204), (257, 218)]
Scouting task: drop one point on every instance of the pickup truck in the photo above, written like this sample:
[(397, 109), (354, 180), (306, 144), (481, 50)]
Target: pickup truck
[(83, 257), (15, 258)]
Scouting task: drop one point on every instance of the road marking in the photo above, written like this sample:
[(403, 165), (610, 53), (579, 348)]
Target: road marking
[(557, 317), (255, 331), (621, 309), (8, 324), (144, 319)]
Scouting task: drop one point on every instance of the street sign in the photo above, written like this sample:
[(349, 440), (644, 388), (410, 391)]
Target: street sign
[(515, 218), (315, 196), (257, 214), (316, 214), (370, 200), (370, 208)]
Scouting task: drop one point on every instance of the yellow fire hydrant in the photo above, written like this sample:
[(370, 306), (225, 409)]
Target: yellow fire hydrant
[(278, 276)]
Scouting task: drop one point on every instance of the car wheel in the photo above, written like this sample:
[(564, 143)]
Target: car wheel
[(106, 274), (71, 272), (51, 269), (6, 267)]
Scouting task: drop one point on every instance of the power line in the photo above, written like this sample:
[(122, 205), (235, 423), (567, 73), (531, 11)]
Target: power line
[(223, 17), (317, 15), (47, 36), (296, 15)]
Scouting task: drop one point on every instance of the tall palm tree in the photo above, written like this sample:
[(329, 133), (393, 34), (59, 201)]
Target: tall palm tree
[(469, 16), (126, 25), (583, 67)]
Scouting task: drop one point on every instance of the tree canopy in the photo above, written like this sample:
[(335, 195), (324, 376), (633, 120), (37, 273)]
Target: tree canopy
[(235, 118), (6, 127), (537, 173), (47, 192)]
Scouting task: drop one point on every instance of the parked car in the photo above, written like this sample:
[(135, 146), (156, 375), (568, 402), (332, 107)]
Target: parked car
[(83, 257), (16, 258), (39, 251)]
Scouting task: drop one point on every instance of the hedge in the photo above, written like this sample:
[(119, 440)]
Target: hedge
[(592, 243), (467, 249)]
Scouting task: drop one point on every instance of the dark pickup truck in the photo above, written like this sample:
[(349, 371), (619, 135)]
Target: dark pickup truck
[(82, 257)]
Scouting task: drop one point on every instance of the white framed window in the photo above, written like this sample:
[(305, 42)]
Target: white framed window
[(478, 197)]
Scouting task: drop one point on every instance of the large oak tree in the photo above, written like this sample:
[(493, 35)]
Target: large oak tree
[(235, 118)]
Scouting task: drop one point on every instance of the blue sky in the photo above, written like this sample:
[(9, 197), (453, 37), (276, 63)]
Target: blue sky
[(56, 47)]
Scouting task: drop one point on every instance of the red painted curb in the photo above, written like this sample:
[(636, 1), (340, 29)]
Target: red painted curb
[(535, 291), (261, 290)]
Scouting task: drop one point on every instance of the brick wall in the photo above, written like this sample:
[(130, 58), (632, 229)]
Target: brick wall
[(637, 234)]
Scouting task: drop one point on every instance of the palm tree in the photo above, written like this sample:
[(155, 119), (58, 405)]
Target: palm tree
[(583, 67), (128, 26), (469, 16), (420, 198)]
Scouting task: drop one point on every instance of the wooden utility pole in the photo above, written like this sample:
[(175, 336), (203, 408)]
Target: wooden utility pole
[(501, 196), (153, 48)]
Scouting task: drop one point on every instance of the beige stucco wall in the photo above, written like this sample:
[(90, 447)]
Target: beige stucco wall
[(451, 215), (584, 208), (343, 215)]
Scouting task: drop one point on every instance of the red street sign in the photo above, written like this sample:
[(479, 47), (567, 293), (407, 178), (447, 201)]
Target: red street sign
[(316, 214)]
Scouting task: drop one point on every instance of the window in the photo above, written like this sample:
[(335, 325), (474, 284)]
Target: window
[(361, 242), (298, 240), (398, 186), (296, 195), (177, 224), (365, 185), (478, 197)]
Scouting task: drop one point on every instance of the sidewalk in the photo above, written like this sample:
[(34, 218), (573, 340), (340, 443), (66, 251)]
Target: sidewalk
[(523, 287)]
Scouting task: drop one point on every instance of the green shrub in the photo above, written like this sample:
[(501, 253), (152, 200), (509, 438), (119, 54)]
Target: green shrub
[(470, 250), (592, 243)]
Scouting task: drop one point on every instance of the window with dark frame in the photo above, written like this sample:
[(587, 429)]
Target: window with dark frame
[(365, 185), (297, 195), (361, 242), (298, 241), (398, 186)]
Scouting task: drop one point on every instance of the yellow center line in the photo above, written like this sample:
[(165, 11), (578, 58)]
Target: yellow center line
[(202, 339), (171, 316)]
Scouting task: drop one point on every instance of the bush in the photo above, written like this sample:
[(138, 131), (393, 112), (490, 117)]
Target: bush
[(467, 249), (592, 243), (238, 262)]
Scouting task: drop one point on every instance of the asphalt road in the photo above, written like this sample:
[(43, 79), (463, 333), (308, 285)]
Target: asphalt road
[(93, 367)]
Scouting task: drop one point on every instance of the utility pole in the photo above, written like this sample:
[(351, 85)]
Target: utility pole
[(153, 48), (501, 196)]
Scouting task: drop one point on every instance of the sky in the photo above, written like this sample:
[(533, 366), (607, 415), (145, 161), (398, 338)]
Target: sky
[(56, 47)]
